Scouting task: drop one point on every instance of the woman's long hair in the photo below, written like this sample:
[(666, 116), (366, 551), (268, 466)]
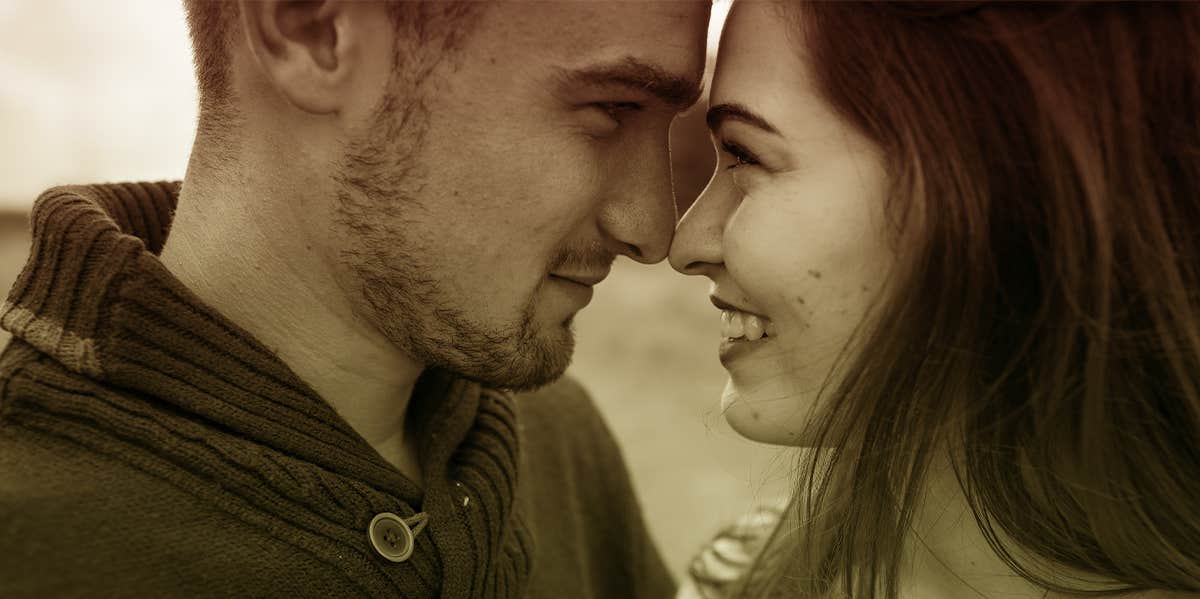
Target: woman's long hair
[(1043, 322)]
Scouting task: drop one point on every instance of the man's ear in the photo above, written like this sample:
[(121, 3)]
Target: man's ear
[(305, 49)]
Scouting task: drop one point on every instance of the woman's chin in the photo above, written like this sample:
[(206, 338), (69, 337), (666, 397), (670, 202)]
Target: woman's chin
[(762, 420)]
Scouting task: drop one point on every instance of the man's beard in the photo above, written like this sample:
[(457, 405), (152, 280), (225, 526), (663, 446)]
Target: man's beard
[(424, 321), (401, 284)]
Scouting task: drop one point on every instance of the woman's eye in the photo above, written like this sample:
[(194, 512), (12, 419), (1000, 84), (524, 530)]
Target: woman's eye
[(741, 156)]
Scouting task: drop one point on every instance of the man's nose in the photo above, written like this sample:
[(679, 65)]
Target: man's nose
[(639, 215)]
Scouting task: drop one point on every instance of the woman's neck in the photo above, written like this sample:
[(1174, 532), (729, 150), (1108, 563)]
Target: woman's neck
[(948, 555)]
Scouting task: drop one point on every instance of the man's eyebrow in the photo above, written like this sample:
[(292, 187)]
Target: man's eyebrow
[(673, 90), (736, 112)]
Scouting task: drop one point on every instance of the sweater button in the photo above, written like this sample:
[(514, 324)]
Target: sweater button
[(391, 537)]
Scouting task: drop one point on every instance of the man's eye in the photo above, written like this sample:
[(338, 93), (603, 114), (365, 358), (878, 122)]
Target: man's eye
[(616, 110), (741, 156)]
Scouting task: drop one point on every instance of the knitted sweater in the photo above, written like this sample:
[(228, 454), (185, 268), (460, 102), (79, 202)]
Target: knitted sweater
[(150, 447)]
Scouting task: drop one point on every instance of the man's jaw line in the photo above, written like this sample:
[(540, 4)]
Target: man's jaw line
[(300, 314)]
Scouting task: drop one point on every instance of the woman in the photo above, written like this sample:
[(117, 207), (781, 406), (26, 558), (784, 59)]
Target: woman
[(957, 250)]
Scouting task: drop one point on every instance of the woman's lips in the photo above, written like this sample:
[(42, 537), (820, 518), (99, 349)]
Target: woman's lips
[(732, 350), (736, 324), (743, 333)]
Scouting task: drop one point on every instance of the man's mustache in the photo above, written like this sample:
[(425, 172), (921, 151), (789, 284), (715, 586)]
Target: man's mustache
[(593, 257)]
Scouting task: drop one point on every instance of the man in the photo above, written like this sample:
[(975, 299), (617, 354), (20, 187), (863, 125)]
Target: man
[(391, 214)]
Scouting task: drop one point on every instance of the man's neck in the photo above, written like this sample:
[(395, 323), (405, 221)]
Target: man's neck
[(243, 252)]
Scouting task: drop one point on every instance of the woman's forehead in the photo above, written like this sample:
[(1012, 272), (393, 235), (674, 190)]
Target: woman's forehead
[(759, 67)]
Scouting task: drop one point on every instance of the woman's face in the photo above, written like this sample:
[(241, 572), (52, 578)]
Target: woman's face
[(790, 229)]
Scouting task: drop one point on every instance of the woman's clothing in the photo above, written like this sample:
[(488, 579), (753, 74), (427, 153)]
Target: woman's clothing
[(725, 565)]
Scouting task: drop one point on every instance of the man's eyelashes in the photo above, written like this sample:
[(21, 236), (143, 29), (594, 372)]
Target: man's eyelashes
[(618, 110)]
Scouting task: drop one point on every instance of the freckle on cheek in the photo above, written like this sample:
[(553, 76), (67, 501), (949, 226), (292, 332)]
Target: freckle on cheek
[(816, 274), (800, 300)]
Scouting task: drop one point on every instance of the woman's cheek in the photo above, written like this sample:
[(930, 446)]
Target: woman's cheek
[(764, 250)]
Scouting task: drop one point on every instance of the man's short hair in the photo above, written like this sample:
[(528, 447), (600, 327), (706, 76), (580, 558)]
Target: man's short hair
[(437, 27), (212, 26)]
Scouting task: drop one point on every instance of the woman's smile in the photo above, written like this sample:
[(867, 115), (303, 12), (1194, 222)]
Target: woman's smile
[(743, 333)]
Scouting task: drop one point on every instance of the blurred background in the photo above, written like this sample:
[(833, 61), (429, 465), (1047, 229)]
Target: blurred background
[(103, 91)]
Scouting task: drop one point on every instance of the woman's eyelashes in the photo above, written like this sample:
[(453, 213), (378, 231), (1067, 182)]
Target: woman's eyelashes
[(741, 156)]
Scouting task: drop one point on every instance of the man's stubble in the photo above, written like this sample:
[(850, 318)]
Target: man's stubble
[(398, 278)]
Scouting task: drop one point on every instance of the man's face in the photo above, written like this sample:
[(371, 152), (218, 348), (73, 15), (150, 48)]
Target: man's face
[(477, 215)]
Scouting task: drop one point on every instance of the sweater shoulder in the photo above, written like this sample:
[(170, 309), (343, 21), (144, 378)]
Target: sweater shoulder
[(15, 358), (562, 418), (565, 403), (47, 470), (577, 493), (75, 521)]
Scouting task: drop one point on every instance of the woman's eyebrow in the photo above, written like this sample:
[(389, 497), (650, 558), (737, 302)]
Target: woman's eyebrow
[(677, 91), (736, 112)]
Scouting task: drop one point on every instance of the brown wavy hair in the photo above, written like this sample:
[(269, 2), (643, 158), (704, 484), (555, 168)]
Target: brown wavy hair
[(1044, 316)]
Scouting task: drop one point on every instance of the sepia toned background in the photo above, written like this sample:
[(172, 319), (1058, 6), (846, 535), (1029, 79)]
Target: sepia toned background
[(103, 91)]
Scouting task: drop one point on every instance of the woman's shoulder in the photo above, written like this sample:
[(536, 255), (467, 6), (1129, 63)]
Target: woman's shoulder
[(728, 557)]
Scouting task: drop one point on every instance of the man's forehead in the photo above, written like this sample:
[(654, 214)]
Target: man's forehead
[(608, 17), (668, 36)]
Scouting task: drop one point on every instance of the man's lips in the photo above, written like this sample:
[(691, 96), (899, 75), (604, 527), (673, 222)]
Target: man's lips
[(588, 279)]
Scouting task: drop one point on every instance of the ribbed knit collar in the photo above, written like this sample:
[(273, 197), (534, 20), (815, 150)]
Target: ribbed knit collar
[(95, 297)]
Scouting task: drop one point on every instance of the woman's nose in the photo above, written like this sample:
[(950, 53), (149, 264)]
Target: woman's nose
[(697, 247)]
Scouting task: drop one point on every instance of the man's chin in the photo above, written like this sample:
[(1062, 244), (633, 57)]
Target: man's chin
[(526, 365), (543, 364)]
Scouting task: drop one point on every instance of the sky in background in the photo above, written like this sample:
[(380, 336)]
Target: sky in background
[(95, 91), (92, 91)]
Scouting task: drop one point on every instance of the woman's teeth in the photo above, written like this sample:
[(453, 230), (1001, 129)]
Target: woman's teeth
[(738, 325)]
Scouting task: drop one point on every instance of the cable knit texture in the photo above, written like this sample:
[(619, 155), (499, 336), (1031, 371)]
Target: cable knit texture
[(149, 447)]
